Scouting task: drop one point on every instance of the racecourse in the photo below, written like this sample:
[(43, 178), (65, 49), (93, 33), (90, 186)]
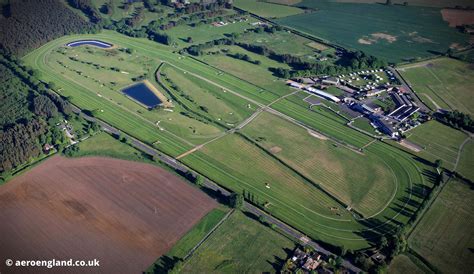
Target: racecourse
[(281, 185)]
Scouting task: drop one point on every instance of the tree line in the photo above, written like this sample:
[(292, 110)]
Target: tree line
[(456, 119), (29, 24)]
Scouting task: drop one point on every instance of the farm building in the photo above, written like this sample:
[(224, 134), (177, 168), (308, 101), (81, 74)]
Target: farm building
[(384, 126)]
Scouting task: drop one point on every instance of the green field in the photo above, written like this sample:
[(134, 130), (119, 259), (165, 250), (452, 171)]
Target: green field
[(368, 190), (242, 245), (403, 264), (466, 162), (102, 144), (260, 75), (442, 83), (201, 96), (444, 146), (444, 236), (189, 240), (394, 32), (267, 10)]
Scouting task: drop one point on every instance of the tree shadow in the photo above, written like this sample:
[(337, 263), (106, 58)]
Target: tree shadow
[(216, 194), (165, 264), (419, 191)]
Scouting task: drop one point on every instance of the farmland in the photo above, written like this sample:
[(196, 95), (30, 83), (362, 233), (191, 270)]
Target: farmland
[(240, 244), (445, 146), (267, 10), (442, 83), (466, 162), (324, 162), (395, 33), (444, 236), (403, 264), (42, 208)]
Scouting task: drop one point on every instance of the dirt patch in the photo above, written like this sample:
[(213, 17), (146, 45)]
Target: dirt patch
[(456, 17), (411, 146), (316, 45), (384, 36), (125, 214), (275, 149), (376, 37), (317, 135)]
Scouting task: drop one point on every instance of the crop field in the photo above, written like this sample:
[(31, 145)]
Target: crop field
[(395, 33), (243, 245), (442, 83), (134, 215), (445, 146), (267, 10), (444, 236), (327, 164), (424, 3), (466, 162)]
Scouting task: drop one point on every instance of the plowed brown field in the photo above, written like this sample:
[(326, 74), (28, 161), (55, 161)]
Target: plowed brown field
[(125, 214)]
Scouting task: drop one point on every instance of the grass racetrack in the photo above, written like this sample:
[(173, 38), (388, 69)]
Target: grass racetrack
[(287, 186), (444, 236), (365, 182), (442, 83), (445, 146)]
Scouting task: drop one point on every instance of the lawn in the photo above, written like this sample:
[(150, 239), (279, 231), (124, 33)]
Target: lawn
[(368, 190), (364, 124), (442, 83), (241, 244), (395, 33), (444, 236), (189, 240), (267, 10), (444, 146)]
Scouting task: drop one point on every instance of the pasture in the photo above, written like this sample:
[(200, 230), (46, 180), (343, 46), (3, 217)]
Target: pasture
[(395, 33), (403, 264), (442, 83), (267, 10), (135, 214), (444, 236), (466, 162), (365, 182), (240, 244), (189, 240), (423, 3), (438, 142), (205, 98), (261, 76)]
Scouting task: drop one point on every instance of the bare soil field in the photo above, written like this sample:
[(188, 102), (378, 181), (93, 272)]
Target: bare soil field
[(125, 214), (457, 17)]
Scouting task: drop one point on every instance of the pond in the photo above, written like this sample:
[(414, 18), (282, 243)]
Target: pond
[(143, 94), (95, 43)]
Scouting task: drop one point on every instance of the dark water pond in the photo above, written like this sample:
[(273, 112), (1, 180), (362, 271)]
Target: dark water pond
[(96, 43), (141, 93)]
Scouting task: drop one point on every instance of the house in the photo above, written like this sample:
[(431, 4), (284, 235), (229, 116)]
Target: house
[(47, 148), (312, 263)]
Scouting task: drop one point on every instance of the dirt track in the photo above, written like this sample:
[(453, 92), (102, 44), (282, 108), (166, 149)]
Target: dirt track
[(125, 214)]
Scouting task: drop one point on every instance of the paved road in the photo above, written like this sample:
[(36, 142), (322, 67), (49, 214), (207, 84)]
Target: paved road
[(298, 236)]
